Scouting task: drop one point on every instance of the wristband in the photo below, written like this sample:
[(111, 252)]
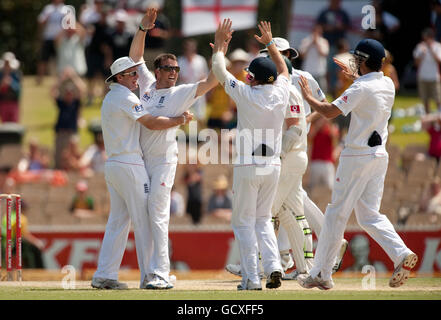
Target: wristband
[(141, 27), (269, 43), (185, 118)]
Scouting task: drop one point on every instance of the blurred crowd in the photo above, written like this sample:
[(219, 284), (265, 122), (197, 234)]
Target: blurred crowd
[(103, 32)]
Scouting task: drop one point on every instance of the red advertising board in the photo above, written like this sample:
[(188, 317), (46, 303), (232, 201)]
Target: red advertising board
[(205, 250)]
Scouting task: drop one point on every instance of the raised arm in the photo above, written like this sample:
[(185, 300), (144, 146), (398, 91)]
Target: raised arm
[(267, 39), (221, 42), (222, 39), (138, 42), (326, 109)]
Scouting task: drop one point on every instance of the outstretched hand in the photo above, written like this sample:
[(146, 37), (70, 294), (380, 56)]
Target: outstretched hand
[(223, 36), (304, 86), (148, 21), (265, 30)]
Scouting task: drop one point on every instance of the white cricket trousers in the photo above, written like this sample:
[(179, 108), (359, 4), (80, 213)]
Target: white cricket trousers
[(288, 205), (128, 185), (359, 185), (162, 177), (254, 189)]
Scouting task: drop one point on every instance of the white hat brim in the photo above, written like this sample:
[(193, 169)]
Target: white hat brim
[(134, 65)]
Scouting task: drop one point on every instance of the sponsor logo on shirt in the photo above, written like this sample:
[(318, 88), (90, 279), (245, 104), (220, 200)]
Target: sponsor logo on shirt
[(160, 102), (345, 99), (138, 108), (319, 92), (146, 97), (295, 108), (146, 188), (232, 84)]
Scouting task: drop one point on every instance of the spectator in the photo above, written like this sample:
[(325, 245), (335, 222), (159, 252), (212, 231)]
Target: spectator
[(323, 137), (70, 47), (390, 71), (119, 36), (335, 22), (50, 20), (67, 93), (98, 52), (193, 69), (427, 55), (432, 124), (94, 158), (386, 26), (82, 203), (71, 155), (314, 51), (431, 199), (91, 12), (177, 203), (436, 19), (220, 204), (156, 39), (193, 181), (10, 88), (36, 159)]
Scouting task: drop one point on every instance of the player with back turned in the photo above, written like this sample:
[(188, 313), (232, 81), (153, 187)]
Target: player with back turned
[(362, 167), (261, 107)]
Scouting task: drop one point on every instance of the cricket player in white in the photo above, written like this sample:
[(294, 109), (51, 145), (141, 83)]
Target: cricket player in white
[(288, 203), (362, 168), (314, 216), (261, 108), (121, 118), (160, 97)]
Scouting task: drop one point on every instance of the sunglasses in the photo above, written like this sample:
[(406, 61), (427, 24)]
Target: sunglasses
[(170, 68), (132, 74)]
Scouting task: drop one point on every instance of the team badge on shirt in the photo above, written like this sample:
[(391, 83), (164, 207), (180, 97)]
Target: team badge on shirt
[(319, 92), (345, 99), (138, 108), (295, 108)]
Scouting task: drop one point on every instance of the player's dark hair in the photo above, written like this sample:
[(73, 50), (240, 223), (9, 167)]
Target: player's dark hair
[(162, 57)]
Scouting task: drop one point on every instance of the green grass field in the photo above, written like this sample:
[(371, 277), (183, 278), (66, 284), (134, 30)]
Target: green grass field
[(345, 289)]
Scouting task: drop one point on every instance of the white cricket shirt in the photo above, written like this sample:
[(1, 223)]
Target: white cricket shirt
[(170, 102), (261, 112), (119, 112), (296, 110), (370, 99), (313, 84)]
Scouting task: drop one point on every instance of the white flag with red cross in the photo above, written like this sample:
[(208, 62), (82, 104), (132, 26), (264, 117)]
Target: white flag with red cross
[(203, 16)]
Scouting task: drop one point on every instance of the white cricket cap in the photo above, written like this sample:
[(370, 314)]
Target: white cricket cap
[(121, 64), (282, 45), (239, 55)]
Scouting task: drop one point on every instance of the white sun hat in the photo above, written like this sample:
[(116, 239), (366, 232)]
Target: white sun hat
[(121, 64), (282, 45)]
